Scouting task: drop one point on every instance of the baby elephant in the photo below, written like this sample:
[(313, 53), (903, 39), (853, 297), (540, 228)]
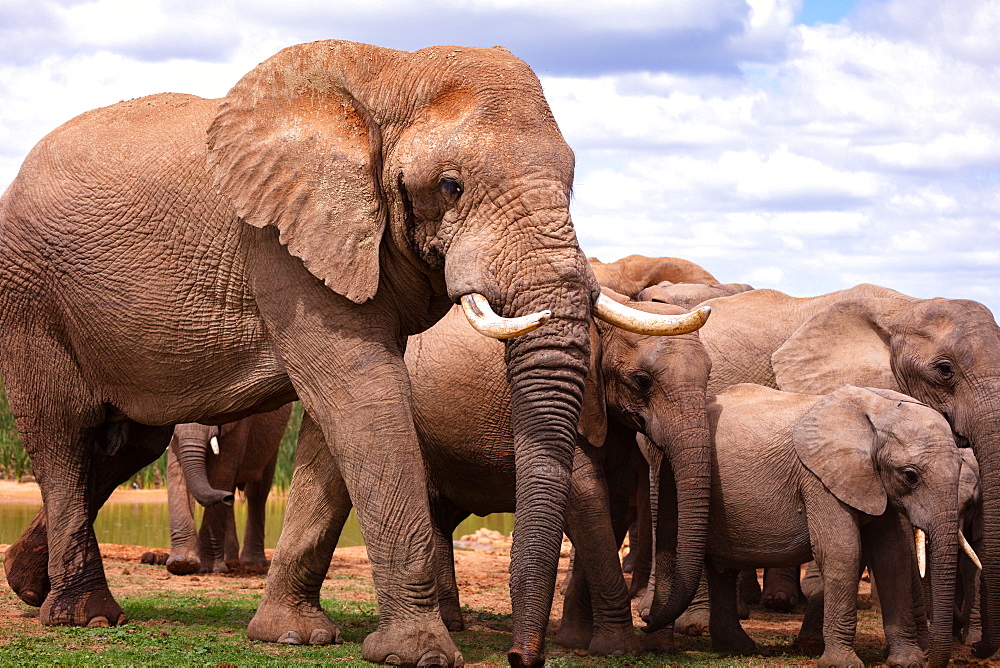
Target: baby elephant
[(208, 463), (799, 476)]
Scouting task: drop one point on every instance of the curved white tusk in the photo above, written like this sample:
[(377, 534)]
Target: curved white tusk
[(486, 322), (214, 442), (652, 324), (921, 541), (969, 551)]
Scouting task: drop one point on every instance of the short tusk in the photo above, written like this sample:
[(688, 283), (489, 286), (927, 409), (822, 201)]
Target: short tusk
[(486, 322), (969, 551), (921, 541), (214, 442), (652, 324)]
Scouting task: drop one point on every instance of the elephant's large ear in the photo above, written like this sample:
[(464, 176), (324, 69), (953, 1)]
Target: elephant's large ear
[(845, 343), (593, 424), (835, 440), (293, 147)]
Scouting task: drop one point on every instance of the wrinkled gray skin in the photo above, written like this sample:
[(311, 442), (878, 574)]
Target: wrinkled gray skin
[(630, 275), (174, 259), (689, 295), (248, 451), (652, 385), (943, 352), (797, 476)]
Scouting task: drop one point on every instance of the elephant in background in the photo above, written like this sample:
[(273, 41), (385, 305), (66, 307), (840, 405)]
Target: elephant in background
[(635, 384), (689, 295), (798, 476), (630, 275), (943, 352), (280, 243), (243, 456)]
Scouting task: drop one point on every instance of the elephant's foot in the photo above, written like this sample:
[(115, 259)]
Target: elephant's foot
[(694, 621), (255, 560), (809, 644), (841, 658), (659, 641), (217, 566), (781, 589), (302, 624), (576, 630), (27, 565), (451, 614), (733, 641), (910, 656), (616, 642), (182, 564), (95, 608), (413, 642)]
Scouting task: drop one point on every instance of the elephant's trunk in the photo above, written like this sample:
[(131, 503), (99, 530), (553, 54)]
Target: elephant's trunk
[(987, 451), (191, 453), (689, 456), (546, 388), (943, 566)]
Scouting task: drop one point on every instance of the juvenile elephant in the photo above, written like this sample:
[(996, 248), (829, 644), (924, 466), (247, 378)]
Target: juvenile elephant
[(208, 463), (174, 259), (651, 385), (799, 476), (629, 275), (943, 352)]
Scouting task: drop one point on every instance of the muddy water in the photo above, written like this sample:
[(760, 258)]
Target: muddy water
[(148, 523)]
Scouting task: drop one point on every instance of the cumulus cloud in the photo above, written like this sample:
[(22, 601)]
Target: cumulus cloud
[(862, 147)]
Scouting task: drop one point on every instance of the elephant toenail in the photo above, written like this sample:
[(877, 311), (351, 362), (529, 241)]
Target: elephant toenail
[(290, 638), (320, 637), (393, 660), (433, 658), (98, 623)]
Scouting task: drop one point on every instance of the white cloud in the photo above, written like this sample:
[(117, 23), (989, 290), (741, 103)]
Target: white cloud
[(801, 158)]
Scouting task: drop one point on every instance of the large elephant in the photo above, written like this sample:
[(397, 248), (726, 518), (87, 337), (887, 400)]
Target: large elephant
[(210, 462), (174, 259), (796, 475), (636, 383), (943, 352), (629, 275)]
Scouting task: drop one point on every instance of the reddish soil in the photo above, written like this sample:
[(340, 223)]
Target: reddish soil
[(482, 577)]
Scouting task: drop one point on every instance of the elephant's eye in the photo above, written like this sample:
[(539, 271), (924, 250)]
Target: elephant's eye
[(944, 369), (451, 188), (643, 381), (911, 476)]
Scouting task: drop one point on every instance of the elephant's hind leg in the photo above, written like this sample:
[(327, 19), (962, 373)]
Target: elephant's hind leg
[(318, 506)]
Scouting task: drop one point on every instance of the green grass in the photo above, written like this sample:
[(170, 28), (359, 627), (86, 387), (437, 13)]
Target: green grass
[(14, 462)]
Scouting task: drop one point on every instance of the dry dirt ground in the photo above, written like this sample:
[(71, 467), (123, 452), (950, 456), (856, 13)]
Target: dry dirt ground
[(482, 578)]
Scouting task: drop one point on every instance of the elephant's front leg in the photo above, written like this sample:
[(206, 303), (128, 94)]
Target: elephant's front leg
[(889, 552), (253, 534), (318, 506), (836, 545), (184, 558), (596, 611)]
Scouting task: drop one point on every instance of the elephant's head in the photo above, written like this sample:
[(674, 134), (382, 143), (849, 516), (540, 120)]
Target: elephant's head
[(382, 169), (874, 447), (943, 352), (656, 386), (629, 275), (193, 444)]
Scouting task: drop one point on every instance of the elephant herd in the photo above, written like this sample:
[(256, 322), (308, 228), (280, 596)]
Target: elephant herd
[(342, 228)]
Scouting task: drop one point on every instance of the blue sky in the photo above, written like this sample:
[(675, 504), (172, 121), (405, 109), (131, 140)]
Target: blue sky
[(805, 147)]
